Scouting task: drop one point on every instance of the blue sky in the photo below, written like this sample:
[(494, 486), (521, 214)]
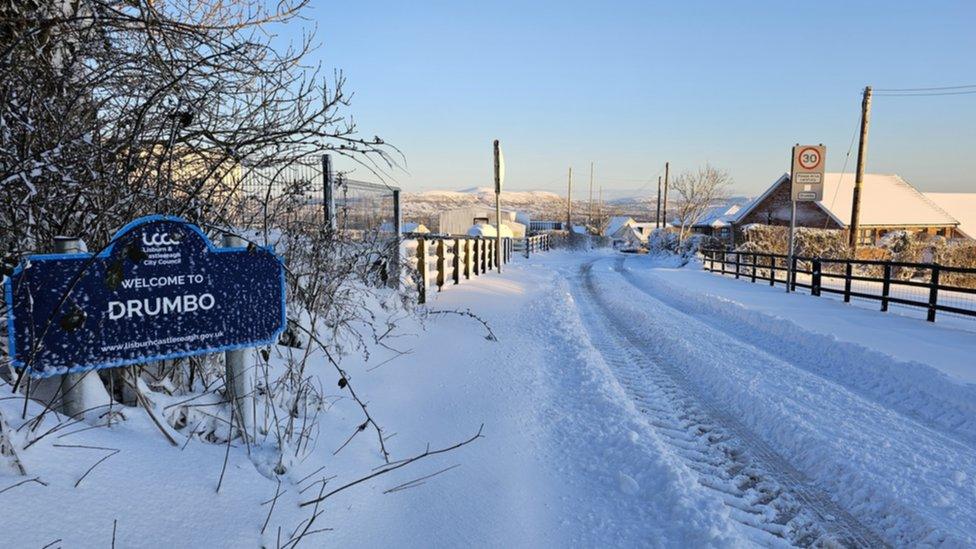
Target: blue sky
[(629, 85)]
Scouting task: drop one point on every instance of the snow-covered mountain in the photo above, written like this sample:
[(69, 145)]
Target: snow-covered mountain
[(425, 206)]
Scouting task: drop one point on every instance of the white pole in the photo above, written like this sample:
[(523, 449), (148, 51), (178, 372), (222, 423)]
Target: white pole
[(239, 384), (78, 391)]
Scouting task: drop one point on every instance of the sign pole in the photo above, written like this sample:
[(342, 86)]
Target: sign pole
[(499, 178), (806, 185), (789, 258), (76, 390), (239, 386)]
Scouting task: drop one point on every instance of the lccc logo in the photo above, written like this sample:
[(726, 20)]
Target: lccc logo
[(158, 239)]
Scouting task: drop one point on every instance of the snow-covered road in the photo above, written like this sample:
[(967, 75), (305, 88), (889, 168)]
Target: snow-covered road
[(848, 464)]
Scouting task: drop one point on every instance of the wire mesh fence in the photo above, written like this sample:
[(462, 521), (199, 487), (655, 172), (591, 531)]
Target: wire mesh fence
[(302, 196), (287, 197)]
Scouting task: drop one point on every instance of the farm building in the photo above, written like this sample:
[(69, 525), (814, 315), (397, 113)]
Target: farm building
[(888, 203), (961, 206), (460, 220)]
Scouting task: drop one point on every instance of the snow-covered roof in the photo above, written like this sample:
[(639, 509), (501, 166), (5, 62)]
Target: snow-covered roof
[(486, 229), (615, 223), (886, 200), (720, 216), (961, 206)]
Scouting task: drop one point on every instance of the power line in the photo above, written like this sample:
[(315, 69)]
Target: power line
[(899, 94), (925, 89)]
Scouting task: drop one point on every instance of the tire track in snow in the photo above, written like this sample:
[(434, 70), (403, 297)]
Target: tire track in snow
[(763, 491), (916, 391)]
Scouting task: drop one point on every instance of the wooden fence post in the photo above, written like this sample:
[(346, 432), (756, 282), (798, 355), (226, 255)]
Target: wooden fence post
[(933, 292), (737, 264), (753, 268), (815, 278), (441, 267), (848, 271), (456, 262), (483, 258), (885, 287), (468, 258), (422, 269), (772, 270), (791, 281)]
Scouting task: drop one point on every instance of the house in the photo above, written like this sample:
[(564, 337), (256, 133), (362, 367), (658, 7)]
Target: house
[(961, 206), (888, 203), (615, 223), (629, 238), (717, 221), (460, 220), (627, 233)]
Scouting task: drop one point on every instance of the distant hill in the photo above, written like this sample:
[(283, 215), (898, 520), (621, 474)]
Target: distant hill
[(425, 206)]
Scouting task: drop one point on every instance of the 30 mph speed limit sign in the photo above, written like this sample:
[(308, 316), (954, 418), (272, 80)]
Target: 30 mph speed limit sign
[(807, 175)]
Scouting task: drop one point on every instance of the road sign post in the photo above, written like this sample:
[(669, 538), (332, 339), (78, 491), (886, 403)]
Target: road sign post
[(806, 185), (499, 179)]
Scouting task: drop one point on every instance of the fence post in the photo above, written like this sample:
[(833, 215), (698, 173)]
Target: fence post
[(397, 231), (422, 269), (753, 268), (492, 254), (933, 292), (723, 262), (239, 384), (468, 258), (848, 271), (886, 287), (738, 263), (815, 282), (328, 192), (441, 267), (456, 262), (791, 280), (772, 270), (483, 258)]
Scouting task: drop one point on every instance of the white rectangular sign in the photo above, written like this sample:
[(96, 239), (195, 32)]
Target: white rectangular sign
[(807, 174)]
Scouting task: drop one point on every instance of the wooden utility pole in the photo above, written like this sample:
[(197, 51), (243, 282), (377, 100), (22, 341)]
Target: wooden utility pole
[(664, 210), (569, 202), (862, 151), (599, 214), (589, 215), (657, 213)]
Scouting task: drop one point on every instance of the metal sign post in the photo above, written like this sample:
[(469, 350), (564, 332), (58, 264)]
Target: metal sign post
[(499, 178), (806, 185)]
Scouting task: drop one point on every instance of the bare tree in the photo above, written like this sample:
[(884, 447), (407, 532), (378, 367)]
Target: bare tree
[(696, 193)]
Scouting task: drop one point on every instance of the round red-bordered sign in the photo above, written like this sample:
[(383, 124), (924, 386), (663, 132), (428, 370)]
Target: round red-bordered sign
[(804, 165)]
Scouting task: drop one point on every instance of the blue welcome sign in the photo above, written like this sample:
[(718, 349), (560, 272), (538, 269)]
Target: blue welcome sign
[(160, 290)]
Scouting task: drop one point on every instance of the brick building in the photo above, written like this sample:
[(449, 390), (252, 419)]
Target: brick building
[(888, 203)]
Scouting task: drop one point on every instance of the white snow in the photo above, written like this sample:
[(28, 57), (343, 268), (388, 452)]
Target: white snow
[(877, 410)]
